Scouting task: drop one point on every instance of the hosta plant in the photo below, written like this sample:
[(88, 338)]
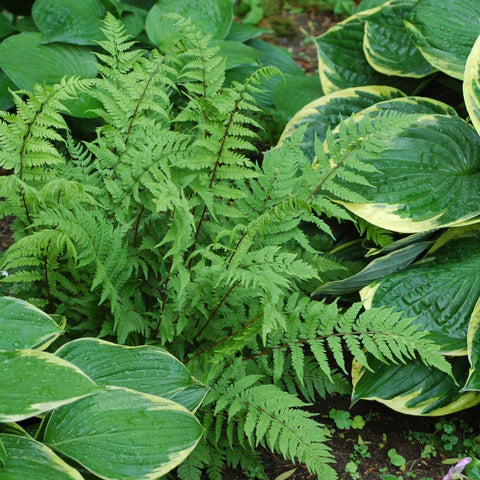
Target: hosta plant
[(421, 186), (165, 227), (91, 402)]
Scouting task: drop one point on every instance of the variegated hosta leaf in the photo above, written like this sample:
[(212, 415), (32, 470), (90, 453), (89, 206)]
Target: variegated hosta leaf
[(122, 434), (388, 46), (471, 85), (29, 459), (34, 382), (473, 350), (23, 325), (327, 111), (445, 32), (342, 63), (414, 388), (413, 104), (440, 290), (424, 177), (147, 369)]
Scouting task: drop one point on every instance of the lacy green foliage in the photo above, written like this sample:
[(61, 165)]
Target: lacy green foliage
[(163, 230)]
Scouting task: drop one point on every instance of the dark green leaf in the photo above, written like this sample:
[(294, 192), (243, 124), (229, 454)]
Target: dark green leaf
[(70, 21), (212, 17), (378, 268), (27, 62), (293, 92)]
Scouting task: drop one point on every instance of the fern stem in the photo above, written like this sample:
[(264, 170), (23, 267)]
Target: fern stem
[(137, 224), (45, 273), (164, 297), (213, 345), (217, 308), (332, 171), (135, 112), (217, 163)]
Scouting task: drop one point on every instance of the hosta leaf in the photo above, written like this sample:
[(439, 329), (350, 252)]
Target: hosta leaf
[(471, 85), (6, 27), (27, 62), (29, 459), (294, 91), (377, 268), (236, 53), (6, 100), (327, 111), (440, 291), (146, 369), (388, 46), (341, 60), (425, 177), (23, 325), (445, 32), (413, 388), (34, 382), (122, 434), (241, 32), (212, 17), (412, 105), (473, 350), (70, 21)]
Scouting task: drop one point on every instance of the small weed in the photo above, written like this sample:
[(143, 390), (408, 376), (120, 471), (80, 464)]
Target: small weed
[(396, 459), (344, 421)]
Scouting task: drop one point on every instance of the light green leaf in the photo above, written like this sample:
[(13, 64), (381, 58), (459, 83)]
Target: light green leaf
[(27, 62), (236, 53), (29, 459), (377, 268), (122, 434), (34, 382), (23, 325), (70, 21), (147, 369), (293, 92), (413, 388), (440, 290), (212, 17), (327, 112), (388, 46), (471, 85), (473, 350), (445, 32), (276, 56), (425, 177)]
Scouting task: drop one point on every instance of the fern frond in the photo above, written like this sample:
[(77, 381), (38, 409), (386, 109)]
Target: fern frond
[(340, 160), (273, 418)]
